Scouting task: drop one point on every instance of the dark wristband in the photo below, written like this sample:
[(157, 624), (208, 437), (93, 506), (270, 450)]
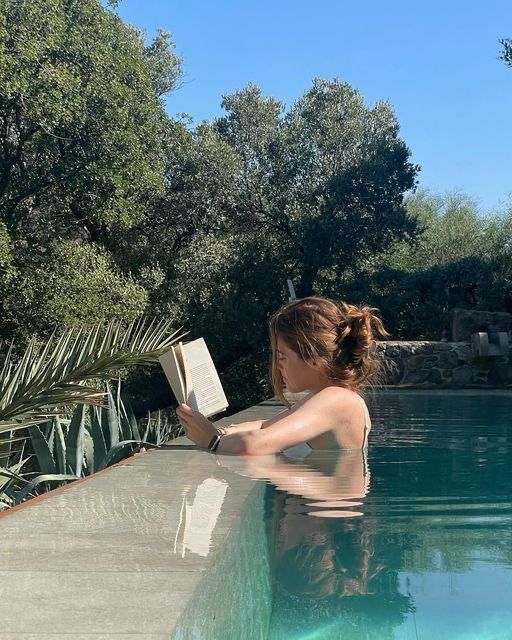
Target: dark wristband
[(216, 445), (214, 442)]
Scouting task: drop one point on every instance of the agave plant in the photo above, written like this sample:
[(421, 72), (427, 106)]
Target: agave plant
[(66, 448), (35, 392)]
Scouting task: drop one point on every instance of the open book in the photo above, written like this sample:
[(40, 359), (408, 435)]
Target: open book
[(193, 377)]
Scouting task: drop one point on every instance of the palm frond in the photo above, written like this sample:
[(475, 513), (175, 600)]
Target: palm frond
[(61, 371)]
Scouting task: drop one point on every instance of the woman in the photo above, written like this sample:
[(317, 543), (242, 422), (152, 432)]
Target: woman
[(318, 346)]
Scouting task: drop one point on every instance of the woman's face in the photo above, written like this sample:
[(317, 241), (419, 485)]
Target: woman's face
[(297, 375)]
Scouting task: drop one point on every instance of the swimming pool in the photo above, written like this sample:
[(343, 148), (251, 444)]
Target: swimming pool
[(415, 541), (412, 540)]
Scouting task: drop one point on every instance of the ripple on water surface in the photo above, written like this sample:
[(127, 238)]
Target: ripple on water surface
[(413, 542)]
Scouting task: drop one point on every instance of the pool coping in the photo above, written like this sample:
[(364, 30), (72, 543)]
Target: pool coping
[(102, 542)]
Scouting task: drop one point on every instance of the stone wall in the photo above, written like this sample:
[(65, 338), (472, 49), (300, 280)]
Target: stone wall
[(441, 364)]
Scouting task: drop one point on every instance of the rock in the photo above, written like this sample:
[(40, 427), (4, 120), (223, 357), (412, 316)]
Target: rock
[(416, 377), (462, 375), (463, 351), (483, 363), (465, 322), (442, 346), (435, 376), (393, 350), (421, 348), (393, 371), (447, 375), (428, 347), (501, 374), (448, 360), (415, 362), (405, 350)]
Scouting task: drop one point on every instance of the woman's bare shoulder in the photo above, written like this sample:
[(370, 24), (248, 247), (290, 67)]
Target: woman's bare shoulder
[(301, 401), (334, 400)]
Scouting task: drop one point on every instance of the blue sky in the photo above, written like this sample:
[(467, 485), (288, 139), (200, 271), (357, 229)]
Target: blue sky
[(436, 62)]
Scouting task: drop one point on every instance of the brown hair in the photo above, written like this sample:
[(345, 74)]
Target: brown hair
[(338, 336), (319, 567)]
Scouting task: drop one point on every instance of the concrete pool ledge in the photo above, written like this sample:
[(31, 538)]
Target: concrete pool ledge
[(151, 548)]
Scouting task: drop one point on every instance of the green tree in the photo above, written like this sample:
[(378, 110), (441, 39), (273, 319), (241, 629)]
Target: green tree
[(80, 125), (75, 285), (261, 195), (459, 258), (506, 53), (327, 178), (451, 228), (82, 153), (199, 198)]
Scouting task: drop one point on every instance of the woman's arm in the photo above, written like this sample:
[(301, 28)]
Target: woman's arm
[(312, 417), (201, 430), (321, 413), (257, 424), (244, 426)]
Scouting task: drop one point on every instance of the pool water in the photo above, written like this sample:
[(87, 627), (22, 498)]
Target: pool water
[(412, 541)]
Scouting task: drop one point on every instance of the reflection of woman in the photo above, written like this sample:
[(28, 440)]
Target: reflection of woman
[(333, 476), (323, 484), (329, 578), (322, 558), (318, 346), (307, 559)]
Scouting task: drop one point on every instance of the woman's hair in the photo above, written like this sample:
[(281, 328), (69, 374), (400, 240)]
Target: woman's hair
[(338, 336), (329, 564)]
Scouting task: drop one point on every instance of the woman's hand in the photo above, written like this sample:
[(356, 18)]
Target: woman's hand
[(197, 428)]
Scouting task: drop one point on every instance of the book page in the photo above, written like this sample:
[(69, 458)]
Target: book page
[(205, 393), (185, 375), (172, 370)]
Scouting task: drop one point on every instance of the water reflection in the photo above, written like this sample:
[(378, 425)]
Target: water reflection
[(333, 479), (199, 512), (430, 555), (424, 550), (332, 576)]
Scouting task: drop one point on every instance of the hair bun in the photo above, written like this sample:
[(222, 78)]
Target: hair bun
[(360, 324)]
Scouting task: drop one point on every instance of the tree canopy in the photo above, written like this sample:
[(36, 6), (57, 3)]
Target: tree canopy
[(81, 127), (327, 177), (81, 153), (110, 208)]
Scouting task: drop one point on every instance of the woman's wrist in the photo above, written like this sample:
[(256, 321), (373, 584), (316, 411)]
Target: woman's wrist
[(220, 432), (214, 443)]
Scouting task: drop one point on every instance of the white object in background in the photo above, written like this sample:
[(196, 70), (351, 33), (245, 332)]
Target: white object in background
[(291, 289), (483, 346)]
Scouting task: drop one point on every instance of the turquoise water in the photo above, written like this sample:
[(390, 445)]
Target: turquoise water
[(413, 542)]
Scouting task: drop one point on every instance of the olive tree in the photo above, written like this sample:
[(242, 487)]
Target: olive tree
[(327, 177)]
